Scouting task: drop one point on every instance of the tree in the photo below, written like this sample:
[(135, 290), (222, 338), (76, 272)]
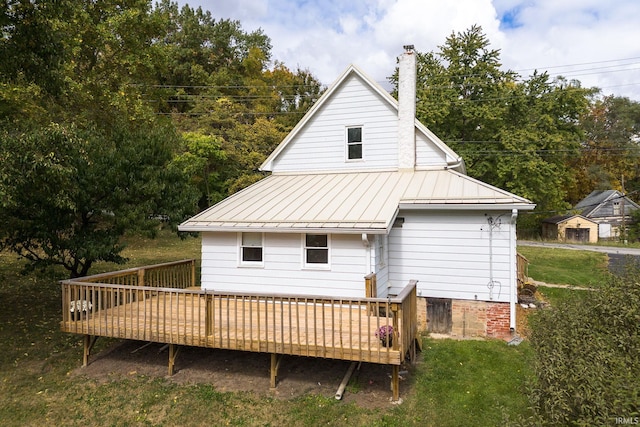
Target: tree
[(71, 194), (512, 133), (202, 159), (85, 91), (610, 151)]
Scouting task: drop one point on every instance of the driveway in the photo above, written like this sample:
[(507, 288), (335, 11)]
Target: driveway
[(618, 257)]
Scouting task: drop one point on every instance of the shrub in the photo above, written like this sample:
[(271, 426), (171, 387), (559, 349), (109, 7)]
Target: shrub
[(587, 362)]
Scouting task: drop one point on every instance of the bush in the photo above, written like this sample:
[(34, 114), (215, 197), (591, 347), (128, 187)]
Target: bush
[(587, 360)]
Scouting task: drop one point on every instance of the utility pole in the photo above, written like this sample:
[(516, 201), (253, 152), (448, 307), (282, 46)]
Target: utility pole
[(624, 230)]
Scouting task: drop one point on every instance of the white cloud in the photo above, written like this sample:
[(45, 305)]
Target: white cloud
[(325, 36)]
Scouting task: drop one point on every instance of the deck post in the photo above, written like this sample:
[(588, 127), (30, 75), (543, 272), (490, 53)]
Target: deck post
[(193, 273), (396, 332), (275, 364), (208, 315), (395, 382), (173, 354), (88, 342)]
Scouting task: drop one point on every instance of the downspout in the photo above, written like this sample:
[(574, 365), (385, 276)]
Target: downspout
[(512, 280)]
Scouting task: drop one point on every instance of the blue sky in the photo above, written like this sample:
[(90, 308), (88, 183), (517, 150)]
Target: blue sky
[(594, 41)]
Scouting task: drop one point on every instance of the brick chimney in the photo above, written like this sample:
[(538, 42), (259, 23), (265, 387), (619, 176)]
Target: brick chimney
[(407, 109)]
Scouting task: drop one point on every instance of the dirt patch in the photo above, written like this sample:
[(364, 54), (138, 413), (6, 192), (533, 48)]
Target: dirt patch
[(245, 371)]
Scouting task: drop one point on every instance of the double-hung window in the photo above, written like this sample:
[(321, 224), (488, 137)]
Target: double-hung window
[(251, 248), (354, 143), (316, 250)]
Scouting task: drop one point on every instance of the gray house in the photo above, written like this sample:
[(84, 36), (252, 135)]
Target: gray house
[(610, 209)]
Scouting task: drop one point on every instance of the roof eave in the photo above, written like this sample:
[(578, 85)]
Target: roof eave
[(295, 230), (467, 206)]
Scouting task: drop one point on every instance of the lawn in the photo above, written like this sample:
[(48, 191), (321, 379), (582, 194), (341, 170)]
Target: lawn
[(566, 266), (455, 382)]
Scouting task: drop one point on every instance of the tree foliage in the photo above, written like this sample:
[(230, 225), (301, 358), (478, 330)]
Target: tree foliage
[(514, 133), (113, 112), (610, 151), (72, 194)]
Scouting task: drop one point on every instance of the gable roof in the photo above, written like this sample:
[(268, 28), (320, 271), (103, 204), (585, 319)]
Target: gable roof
[(453, 159), (598, 198), (363, 202)]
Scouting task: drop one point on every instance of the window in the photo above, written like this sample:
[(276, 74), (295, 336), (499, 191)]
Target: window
[(354, 143), (251, 248), (616, 208), (316, 249)]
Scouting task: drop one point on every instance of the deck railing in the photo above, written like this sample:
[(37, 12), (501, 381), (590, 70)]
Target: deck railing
[(523, 269), (154, 304)]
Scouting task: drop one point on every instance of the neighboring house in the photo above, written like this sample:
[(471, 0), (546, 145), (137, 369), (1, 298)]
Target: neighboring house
[(610, 209), (360, 186), (570, 228)]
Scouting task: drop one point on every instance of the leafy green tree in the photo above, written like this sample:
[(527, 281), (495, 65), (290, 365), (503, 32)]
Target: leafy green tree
[(70, 194), (32, 43), (87, 152), (202, 158), (514, 133)]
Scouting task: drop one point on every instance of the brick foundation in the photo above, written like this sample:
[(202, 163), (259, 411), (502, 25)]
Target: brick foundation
[(473, 318)]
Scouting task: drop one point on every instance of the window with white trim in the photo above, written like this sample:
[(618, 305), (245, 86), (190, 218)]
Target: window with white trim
[(316, 250), (251, 248), (354, 143)]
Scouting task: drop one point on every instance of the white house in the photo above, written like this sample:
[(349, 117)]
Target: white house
[(360, 186)]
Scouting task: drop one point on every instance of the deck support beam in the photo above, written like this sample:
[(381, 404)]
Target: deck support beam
[(395, 382), (174, 349), (88, 342), (275, 364)]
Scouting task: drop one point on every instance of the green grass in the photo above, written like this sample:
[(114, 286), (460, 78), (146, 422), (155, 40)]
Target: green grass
[(456, 383), (566, 266), (468, 383)]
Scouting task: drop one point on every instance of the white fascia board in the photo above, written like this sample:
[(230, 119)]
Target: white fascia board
[(302, 230), (466, 207)]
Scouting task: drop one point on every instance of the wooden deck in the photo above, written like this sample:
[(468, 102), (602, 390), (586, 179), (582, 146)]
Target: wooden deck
[(130, 304)]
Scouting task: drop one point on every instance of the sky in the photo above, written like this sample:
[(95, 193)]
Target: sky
[(596, 42)]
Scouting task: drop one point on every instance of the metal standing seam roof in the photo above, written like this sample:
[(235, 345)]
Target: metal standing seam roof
[(346, 202)]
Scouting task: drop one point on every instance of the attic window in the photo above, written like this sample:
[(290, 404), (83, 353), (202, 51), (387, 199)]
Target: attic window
[(354, 143), (616, 208)]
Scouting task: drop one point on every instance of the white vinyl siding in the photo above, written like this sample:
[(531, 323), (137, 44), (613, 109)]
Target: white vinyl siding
[(427, 154), (449, 254), (282, 271), (381, 263), (320, 145)]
